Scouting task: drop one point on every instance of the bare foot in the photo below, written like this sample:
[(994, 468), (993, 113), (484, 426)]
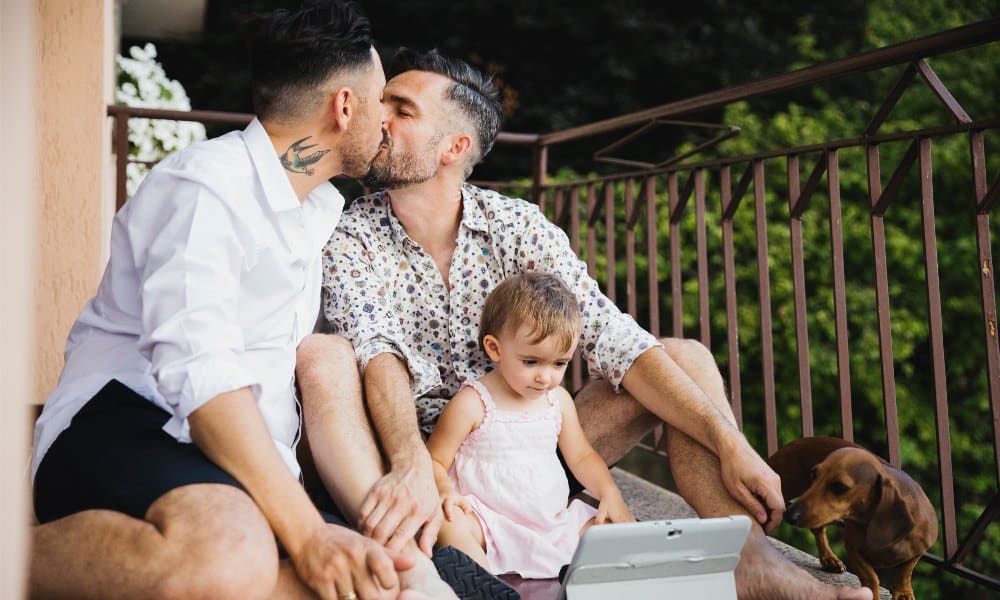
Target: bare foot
[(423, 581), (765, 573)]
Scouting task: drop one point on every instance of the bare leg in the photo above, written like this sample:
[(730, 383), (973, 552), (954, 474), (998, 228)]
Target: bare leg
[(466, 534), (290, 587), (198, 541), (340, 437), (342, 443), (590, 523), (620, 421)]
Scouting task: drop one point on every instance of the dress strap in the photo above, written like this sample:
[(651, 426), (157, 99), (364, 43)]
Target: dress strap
[(489, 408), (554, 406), (484, 394)]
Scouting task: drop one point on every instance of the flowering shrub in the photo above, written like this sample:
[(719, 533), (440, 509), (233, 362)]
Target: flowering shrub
[(142, 82)]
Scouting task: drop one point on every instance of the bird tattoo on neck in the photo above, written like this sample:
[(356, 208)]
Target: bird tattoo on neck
[(293, 160)]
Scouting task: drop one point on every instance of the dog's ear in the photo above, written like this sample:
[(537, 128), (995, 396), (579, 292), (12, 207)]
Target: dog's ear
[(891, 520)]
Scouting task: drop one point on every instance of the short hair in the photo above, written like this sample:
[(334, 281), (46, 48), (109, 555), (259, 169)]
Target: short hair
[(472, 91), (293, 53), (539, 301)]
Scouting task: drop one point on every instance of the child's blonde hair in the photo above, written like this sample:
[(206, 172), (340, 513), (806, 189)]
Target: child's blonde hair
[(540, 301)]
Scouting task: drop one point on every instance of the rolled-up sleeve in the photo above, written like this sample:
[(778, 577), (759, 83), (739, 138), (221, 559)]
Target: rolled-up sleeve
[(358, 305), (611, 340), (188, 249)]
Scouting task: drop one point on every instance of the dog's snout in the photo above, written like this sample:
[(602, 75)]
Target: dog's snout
[(793, 512)]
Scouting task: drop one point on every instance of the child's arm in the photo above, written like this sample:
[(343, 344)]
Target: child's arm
[(588, 466), (463, 413)]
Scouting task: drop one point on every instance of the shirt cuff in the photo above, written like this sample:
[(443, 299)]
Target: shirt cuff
[(424, 376), (188, 387), (618, 346)]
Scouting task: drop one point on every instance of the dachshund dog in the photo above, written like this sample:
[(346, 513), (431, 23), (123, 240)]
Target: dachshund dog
[(888, 520)]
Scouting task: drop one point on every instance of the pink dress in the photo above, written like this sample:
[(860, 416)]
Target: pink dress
[(509, 472)]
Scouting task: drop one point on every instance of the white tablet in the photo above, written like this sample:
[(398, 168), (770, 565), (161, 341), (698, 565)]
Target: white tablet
[(657, 559)]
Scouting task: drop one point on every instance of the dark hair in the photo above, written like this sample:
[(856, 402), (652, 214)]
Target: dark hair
[(473, 92), (539, 301), (293, 52)]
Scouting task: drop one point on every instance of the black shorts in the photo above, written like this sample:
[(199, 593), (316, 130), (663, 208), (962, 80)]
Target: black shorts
[(115, 456)]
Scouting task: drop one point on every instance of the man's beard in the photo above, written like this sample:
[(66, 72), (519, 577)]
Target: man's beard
[(354, 159), (392, 169)]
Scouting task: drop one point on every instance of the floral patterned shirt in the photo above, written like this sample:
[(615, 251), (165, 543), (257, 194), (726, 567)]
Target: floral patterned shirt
[(385, 294)]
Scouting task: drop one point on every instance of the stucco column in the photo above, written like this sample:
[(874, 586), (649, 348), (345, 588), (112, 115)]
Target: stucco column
[(76, 48), (18, 171)]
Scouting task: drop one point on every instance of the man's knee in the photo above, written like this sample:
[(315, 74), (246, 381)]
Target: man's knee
[(323, 351), (220, 546), (689, 348)]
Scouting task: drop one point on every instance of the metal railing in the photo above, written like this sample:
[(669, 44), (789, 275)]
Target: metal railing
[(654, 202), (122, 114), (622, 223)]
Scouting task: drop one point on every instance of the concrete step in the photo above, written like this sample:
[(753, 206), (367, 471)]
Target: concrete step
[(650, 502)]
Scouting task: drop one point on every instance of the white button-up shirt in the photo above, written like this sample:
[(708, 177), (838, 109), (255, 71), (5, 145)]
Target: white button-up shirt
[(214, 278)]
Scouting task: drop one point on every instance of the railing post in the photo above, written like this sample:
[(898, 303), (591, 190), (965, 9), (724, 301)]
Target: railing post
[(120, 142), (539, 166)]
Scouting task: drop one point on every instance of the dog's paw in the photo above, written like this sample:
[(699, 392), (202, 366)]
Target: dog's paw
[(903, 595), (832, 564)]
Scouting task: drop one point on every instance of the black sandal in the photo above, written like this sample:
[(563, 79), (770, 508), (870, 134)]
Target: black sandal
[(469, 580)]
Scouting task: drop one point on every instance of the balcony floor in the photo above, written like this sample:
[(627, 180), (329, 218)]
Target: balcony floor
[(650, 502)]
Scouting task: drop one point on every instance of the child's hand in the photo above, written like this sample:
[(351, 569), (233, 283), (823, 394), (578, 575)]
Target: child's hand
[(612, 509), (451, 502)]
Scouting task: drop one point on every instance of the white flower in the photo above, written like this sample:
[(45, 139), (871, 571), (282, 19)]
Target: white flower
[(134, 174), (142, 82)]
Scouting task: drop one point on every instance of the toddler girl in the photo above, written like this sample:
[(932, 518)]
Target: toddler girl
[(503, 490)]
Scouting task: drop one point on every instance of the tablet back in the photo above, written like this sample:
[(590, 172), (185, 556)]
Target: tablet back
[(654, 558)]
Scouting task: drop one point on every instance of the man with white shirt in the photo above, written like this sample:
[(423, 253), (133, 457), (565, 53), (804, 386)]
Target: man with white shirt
[(164, 462)]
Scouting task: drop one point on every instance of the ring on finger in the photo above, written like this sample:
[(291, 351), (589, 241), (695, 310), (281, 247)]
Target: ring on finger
[(348, 596)]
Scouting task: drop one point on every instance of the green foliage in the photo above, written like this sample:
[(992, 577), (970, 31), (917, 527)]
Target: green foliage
[(972, 78), (841, 110)]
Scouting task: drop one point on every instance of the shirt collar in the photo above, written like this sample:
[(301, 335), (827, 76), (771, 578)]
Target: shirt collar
[(473, 206), (473, 216), (390, 217), (277, 188)]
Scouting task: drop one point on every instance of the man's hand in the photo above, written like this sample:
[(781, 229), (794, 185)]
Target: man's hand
[(400, 503), (335, 562), (612, 509), (754, 484)]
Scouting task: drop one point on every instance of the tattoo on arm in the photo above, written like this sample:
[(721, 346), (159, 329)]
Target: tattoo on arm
[(293, 160)]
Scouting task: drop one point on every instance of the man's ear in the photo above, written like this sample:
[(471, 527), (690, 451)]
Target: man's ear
[(461, 145), (492, 346), (341, 106)]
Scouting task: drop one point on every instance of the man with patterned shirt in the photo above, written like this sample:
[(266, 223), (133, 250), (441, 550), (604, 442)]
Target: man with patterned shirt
[(405, 278)]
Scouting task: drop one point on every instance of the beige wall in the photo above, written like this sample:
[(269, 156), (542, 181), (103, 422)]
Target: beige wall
[(74, 89), (55, 73), (20, 193)]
